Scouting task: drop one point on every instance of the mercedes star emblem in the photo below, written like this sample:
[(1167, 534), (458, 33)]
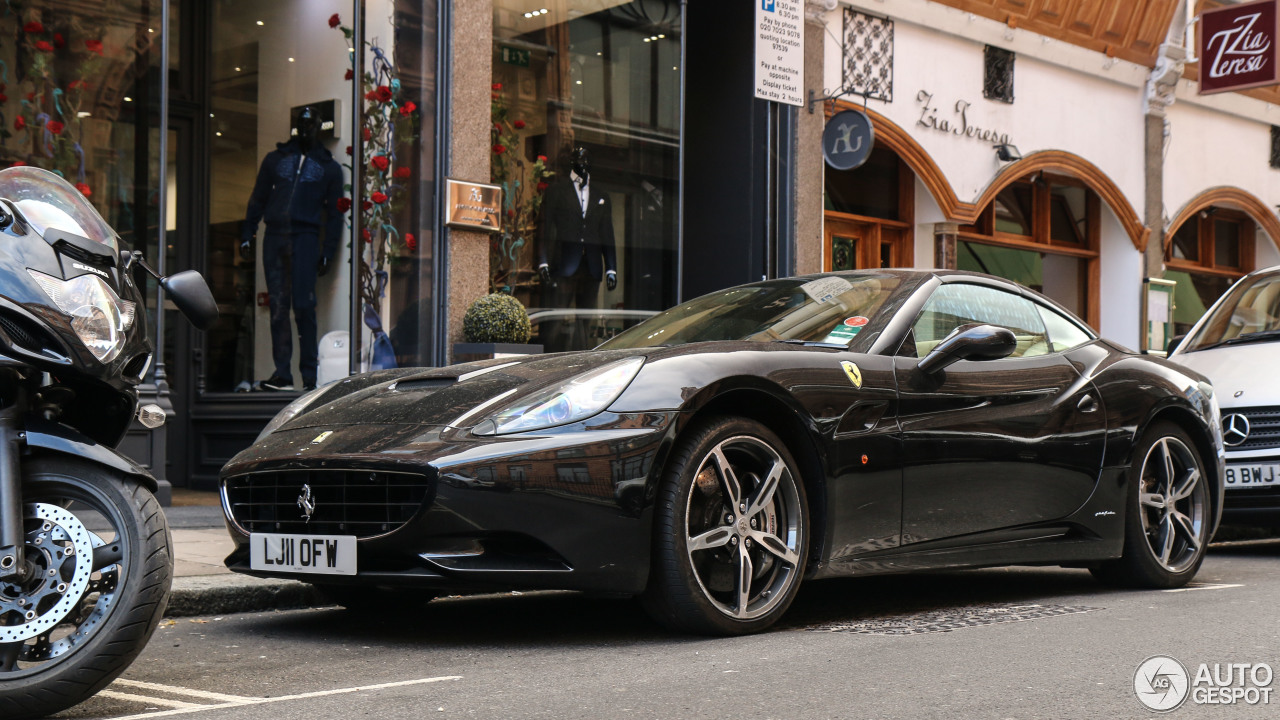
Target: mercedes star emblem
[(306, 502), (1235, 429)]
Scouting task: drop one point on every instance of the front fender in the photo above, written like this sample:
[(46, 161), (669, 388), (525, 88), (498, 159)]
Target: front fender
[(57, 438)]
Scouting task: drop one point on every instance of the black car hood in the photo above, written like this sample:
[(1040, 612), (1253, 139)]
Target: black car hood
[(457, 395)]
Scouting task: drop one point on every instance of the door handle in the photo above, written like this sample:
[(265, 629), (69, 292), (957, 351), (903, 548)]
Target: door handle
[(1087, 404)]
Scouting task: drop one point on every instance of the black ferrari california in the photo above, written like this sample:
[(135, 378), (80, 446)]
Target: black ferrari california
[(710, 458)]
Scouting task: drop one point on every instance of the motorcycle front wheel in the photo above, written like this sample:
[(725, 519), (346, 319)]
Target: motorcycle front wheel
[(99, 569)]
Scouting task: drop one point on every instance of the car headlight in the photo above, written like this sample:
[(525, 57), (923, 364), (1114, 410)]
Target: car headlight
[(577, 399), (98, 317), (291, 411)]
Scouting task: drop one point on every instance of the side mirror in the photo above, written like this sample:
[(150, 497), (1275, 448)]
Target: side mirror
[(190, 293), (1174, 342), (970, 342)]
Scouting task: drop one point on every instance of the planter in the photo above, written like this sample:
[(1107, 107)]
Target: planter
[(467, 352)]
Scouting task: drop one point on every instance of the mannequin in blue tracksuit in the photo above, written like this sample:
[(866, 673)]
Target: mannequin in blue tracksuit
[(296, 193)]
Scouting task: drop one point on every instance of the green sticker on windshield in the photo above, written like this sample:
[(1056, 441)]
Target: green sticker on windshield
[(841, 334)]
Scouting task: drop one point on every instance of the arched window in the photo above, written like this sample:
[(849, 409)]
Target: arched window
[(1205, 255)]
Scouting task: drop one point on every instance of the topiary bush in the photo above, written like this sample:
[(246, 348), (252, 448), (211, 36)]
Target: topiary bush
[(496, 318)]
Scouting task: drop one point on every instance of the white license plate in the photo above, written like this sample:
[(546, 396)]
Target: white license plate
[(320, 554), (1246, 476)]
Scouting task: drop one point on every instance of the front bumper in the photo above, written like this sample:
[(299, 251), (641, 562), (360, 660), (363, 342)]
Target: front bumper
[(567, 508)]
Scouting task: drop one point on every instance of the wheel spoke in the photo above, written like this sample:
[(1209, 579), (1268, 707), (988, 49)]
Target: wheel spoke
[(1185, 527), (745, 571), (9, 656), (713, 538), (1167, 464), (768, 486), (1153, 500), (1187, 486), (728, 480), (775, 545), (1166, 540)]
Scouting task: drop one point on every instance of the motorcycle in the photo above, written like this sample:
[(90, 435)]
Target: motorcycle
[(85, 558)]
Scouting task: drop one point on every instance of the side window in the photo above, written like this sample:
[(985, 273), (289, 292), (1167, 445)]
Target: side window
[(958, 304), (1063, 334)]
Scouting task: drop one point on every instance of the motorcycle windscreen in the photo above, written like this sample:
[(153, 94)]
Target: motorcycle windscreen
[(46, 201)]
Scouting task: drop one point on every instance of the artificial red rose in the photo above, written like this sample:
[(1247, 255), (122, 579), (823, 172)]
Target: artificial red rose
[(19, 123), (542, 158), (78, 85), (542, 186), (381, 162), (3, 87), (496, 87), (494, 96), (403, 172), (499, 149), (407, 109), (367, 134), (511, 213), (410, 242), (383, 93), (84, 189), (17, 163), (371, 96), (364, 235), (33, 28), (44, 46), (59, 41), (334, 20), (365, 205), (519, 124), (3, 98), (94, 46), (349, 74), (344, 204), (31, 96), (54, 127), (497, 128), (379, 197)]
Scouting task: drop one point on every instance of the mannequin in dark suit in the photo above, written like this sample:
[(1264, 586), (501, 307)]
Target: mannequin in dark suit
[(577, 246)]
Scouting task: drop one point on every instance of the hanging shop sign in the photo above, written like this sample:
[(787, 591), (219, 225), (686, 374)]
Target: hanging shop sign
[(780, 50), (847, 140), (472, 206), (1238, 47), (957, 122)]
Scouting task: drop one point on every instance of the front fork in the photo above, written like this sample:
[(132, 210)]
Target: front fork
[(12, 564)]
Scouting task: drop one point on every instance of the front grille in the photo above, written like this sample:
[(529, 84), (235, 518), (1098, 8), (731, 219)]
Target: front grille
[(1264, 427), (346, 502)]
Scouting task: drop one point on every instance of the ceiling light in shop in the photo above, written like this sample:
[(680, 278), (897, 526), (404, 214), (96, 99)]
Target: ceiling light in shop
[(536, 13), (578, 81), (83, 114), (260, 23), (128, 99), (290, 59), (237, 69), (219, 133)]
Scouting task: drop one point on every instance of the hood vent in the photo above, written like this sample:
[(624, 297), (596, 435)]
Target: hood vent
[(424, 384)]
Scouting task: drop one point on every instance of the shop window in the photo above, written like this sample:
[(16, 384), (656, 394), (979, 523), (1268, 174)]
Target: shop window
[(581, 93), (1041, 232), (871, 190), (1206, 254), (997, 76)]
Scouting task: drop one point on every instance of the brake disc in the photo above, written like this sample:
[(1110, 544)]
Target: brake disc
[(58, 545)]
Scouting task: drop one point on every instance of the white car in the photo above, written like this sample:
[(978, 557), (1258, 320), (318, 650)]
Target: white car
[(1237, 345)]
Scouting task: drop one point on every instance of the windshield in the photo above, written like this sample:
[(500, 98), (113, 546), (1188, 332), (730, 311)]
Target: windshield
[(47, 201), (831, 309), (1250, 310)]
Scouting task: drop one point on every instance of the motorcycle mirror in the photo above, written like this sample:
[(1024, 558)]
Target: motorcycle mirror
[(190, 293)]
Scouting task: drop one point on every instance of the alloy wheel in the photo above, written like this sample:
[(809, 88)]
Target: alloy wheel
[(1173, 504)]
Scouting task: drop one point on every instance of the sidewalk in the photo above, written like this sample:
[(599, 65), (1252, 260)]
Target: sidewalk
[(202, 585)]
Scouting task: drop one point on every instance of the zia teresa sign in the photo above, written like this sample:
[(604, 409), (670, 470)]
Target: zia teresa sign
[(1238, 47)]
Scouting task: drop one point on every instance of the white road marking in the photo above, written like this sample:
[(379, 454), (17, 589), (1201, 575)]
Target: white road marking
[(177, 690), (242, 702), (1205, 586), (130, 697)]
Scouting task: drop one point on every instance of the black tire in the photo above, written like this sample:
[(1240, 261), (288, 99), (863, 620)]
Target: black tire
[(765, 536), (1167, 514), (119, 605), (376, 600)]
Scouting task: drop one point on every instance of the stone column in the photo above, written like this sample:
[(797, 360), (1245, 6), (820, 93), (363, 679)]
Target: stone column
[(945, 236), (467, 252), (809, 163)]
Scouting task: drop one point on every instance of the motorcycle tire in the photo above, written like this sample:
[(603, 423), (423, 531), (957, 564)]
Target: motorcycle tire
[(92, 618)]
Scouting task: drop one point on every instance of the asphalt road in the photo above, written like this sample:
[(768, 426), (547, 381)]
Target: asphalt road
[(1000, 643)]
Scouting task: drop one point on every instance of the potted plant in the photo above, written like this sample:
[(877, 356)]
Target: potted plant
[(494, 326)]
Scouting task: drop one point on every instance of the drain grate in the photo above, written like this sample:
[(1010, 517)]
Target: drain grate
[(946, 620)]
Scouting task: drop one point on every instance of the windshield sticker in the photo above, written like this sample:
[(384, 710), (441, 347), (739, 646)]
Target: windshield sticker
[(855, 375), (841, 334), (826, 289), (856, 322)]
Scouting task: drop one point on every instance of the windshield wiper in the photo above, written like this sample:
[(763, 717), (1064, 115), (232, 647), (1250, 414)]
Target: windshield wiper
[(812, 343), (1260, 336)]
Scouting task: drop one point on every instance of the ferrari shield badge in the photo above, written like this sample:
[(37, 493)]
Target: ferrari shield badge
[(851, 369)]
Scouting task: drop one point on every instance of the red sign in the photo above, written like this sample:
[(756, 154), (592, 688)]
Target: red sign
[(1238, 47)]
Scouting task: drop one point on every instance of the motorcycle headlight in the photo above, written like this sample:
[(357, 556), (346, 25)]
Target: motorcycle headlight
[(291, 411), (98, 317), (577, 399)]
